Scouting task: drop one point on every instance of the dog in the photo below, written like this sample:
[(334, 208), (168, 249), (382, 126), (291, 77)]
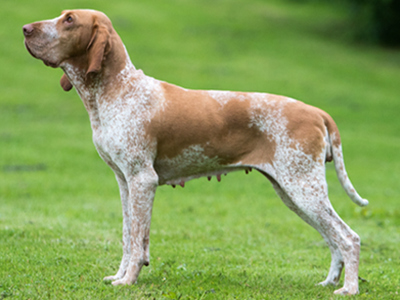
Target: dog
[(152, 133)]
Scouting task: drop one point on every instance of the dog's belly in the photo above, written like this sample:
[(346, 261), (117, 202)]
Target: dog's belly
[(192, 163)]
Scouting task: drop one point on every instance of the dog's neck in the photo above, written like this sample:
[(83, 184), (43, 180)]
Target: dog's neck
[(91, 87)]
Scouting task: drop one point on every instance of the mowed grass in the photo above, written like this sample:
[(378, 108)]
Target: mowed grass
[(60, 213)]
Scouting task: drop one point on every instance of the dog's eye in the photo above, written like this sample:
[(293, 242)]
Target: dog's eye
[(69, 20)]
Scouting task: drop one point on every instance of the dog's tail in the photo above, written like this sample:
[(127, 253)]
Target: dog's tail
[(334, 150)]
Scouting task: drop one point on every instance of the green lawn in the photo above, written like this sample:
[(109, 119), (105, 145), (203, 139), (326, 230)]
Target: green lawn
[(60, 213)]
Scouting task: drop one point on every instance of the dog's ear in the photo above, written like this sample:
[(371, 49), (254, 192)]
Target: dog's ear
[(65, 83), (99, 46)]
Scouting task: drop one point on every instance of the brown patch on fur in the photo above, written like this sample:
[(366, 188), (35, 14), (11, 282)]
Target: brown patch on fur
[(306, 125), (193, 117)]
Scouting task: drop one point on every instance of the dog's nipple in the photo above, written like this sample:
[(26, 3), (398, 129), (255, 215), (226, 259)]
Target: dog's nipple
[(248, 170)]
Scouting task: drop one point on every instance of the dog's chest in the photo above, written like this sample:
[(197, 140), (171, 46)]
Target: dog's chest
[(120, 130), (119, 134)]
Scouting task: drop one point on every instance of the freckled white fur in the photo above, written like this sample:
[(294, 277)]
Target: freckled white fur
[(50, 29), (223, 97), (344, 178), (119, 119)]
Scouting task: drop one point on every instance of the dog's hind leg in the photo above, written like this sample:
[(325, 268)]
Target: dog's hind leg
[(306, 194), (337, 263)]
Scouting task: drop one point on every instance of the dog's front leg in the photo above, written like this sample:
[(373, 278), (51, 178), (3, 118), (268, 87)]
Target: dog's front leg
[(126, 214), (142, 187)]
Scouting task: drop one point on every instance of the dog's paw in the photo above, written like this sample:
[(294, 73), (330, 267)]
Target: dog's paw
[(122, 281), (327, 282), (111, 278), (346, 291)]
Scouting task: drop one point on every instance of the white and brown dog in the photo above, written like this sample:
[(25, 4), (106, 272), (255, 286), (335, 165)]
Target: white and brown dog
[(153, 133)]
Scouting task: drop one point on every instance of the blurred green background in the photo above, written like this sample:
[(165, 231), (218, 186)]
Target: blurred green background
[(60, 215)]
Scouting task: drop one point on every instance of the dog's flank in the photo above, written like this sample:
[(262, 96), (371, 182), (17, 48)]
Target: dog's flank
[(152, 133)]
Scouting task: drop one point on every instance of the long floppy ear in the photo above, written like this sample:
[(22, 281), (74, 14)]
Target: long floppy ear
[(65, 83), (99, 46)]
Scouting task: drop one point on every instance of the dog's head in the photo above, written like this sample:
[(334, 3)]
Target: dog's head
[(80, 37)]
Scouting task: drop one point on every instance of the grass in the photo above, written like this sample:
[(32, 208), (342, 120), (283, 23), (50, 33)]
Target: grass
[(60, 215)]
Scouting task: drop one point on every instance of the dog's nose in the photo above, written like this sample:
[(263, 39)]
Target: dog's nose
[(27, 29)]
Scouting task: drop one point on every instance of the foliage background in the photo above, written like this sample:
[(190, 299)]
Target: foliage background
[(60, 216), (376, 21)]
